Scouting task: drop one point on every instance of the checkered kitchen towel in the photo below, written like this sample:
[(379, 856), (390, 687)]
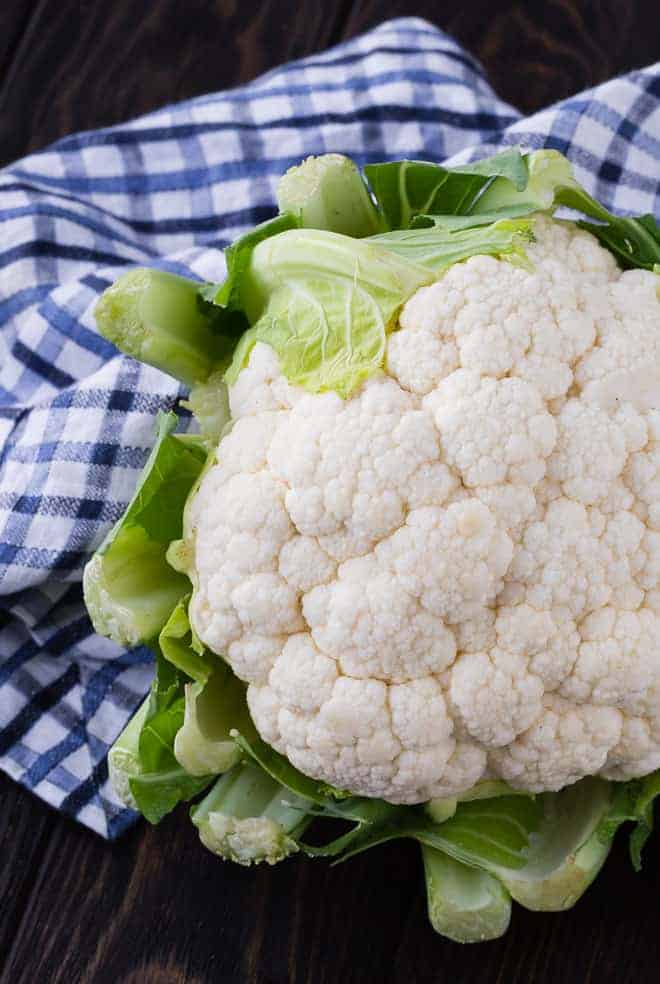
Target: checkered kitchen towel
[(171, 189)]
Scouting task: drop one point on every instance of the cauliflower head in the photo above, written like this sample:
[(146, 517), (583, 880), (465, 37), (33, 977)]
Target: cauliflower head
[(454, 574)]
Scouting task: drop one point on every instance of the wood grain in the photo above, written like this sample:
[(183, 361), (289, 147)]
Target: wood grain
[(68, 65), (92, 63), (536, 53), (156, 908), (23, 839), (14, 18)]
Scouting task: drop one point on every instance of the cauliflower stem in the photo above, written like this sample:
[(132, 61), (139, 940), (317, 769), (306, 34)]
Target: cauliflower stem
[(467, 905), (248, 817), (401, 576)]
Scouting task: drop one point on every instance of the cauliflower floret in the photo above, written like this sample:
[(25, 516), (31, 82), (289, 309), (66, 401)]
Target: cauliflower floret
[(642, 475), (248, 531), (573, 559), (513, 506), (261, 385), (548, 637), (370, 731), (432, 484), (647, 575), (266, 602), (347, 465), (475, 316), (493, 318), (455, 573), (464, 768), (419, 359), (304, 564), (351, 734), (566, 742), (302, 677), (492, 431), (245, 447), (562, 247), (252, 656), (476, 634), (638, 750), (618, 661), (376, 628), (495, 695), (627, 325), (453, 559), (592, 449)]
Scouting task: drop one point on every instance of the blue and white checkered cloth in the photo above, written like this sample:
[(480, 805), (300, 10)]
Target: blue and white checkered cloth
[(172, 189)]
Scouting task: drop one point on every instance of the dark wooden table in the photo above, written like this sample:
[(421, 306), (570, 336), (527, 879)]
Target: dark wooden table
[(156, 908)]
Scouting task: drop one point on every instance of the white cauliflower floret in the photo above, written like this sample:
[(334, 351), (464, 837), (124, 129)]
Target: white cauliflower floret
[(346, 466), (261, 386), (573, 559), (252, 656), (302, 676), (495, 694), (477, 633), (548, 637), (627, 328), (465, 767), (455, 573), (642, 475), (248, 532), (266, 602), (494, 318), (566, 742), (638, 750), (473, 317), (245, 447), (375, 627), (418, 360), (492, 431), (431, 485), (647, 575), (562, 248), (592, 449), (304, 564), (453, 559), (352, 734), (618, 660), (513, 506)]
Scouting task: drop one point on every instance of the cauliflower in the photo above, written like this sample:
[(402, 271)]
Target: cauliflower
[(452, 574), (409, 557)]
